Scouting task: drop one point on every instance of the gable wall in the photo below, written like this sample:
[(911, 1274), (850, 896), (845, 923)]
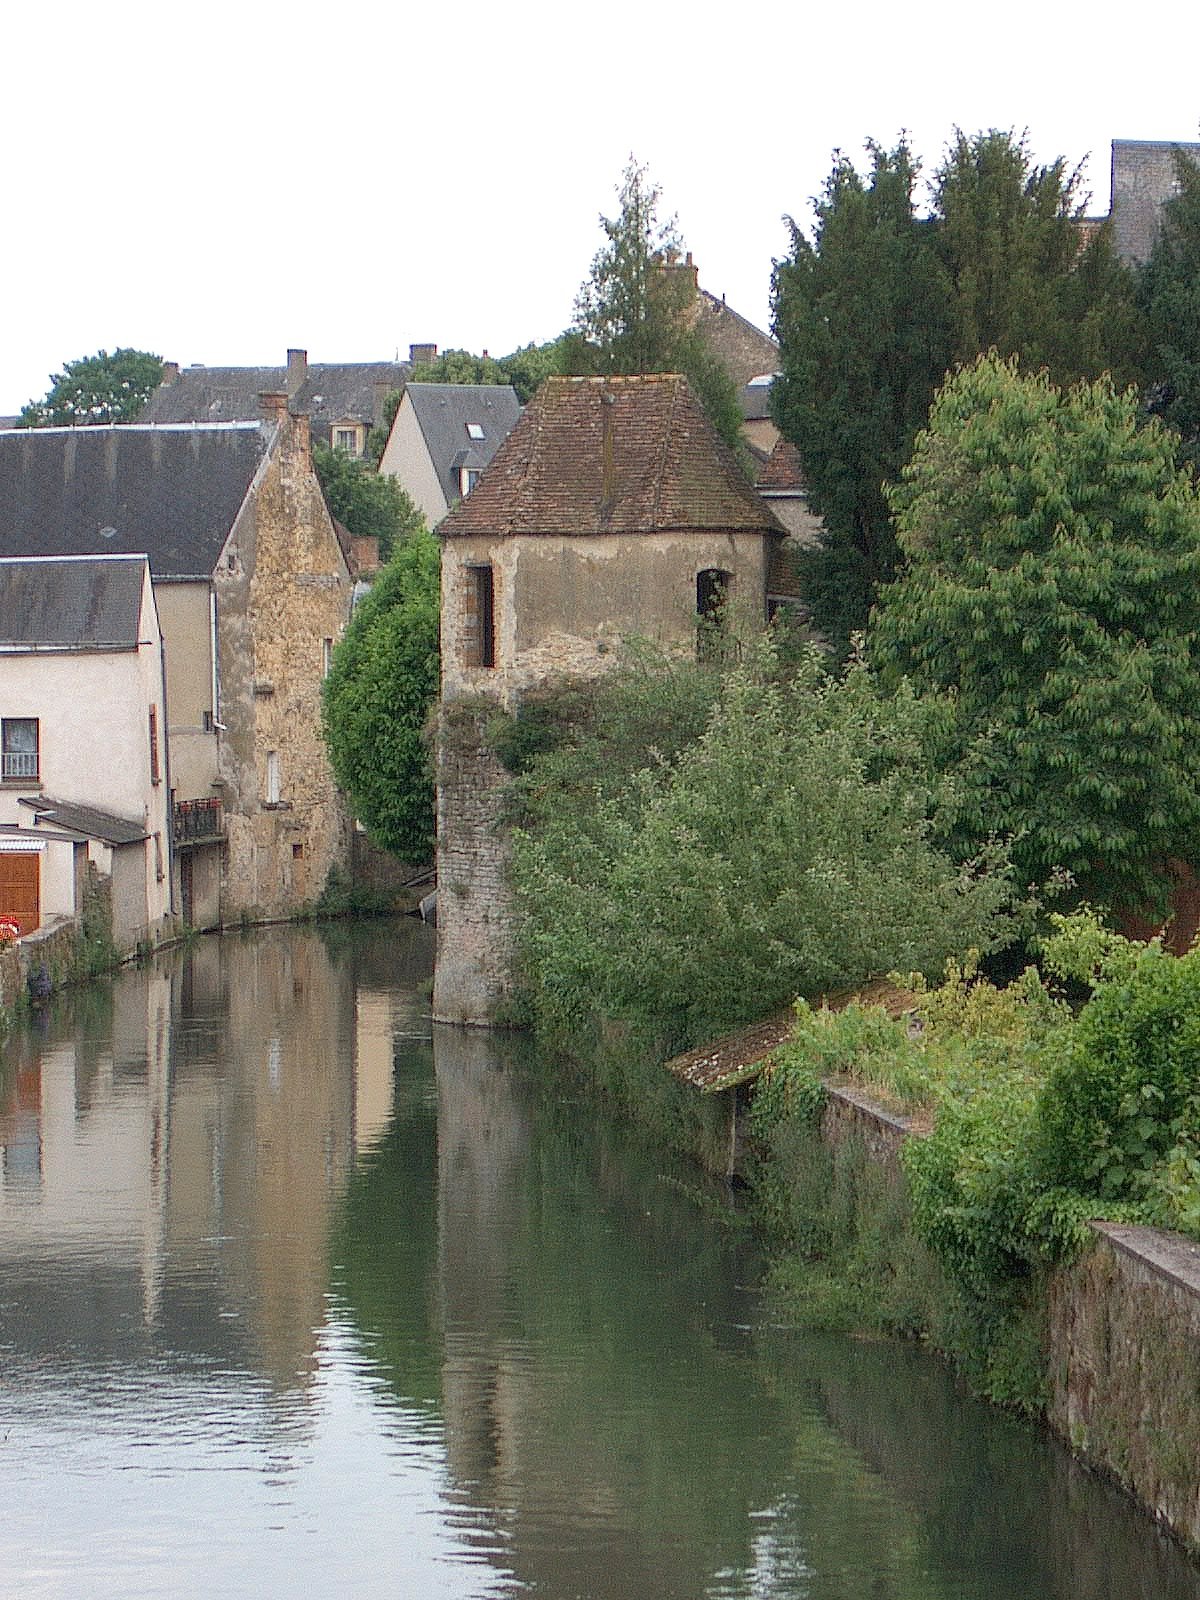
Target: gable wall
[(282, 588), (406, 458)]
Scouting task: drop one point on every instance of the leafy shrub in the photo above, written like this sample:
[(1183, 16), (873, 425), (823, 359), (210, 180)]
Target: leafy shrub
[(1122, 1107), (790, 848)]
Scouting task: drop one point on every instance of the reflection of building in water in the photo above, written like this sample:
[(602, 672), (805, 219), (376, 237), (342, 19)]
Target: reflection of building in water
[(175, 1176), (483, 1142), (374, 1042)]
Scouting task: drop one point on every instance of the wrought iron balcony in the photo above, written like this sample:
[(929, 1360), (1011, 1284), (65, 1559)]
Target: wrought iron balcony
[(197, 820)]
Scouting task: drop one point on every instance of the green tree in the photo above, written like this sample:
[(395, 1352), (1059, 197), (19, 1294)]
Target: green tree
[(863, 319), (636, 313), (367, 503), (1053, 587), (1169, 293), (96, 389), (1008, 236), (377, 699), (872, 313)]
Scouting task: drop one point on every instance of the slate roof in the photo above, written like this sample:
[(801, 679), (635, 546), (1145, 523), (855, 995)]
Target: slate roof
[(88, 820), (88, 603), (170, 493), (612, 455), (443, 412), (331, 392)]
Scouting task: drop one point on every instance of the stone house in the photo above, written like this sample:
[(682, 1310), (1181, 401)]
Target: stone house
[(612, 510), (252, 590), (343, 400), (442, 437), (83, 763)]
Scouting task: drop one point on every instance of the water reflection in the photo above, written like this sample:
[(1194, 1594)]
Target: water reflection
[(295, 1291)]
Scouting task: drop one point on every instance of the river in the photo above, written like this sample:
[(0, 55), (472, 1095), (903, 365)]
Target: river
[(302, 1296)]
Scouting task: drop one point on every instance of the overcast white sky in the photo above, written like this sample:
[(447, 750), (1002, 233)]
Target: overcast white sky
[(217, 181)]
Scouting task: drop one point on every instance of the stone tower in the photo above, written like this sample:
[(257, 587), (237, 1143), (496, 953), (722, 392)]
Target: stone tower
[(613, 510)]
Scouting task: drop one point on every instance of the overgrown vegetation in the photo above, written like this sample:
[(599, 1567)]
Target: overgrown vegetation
[(712, 844), (1036, 1119)]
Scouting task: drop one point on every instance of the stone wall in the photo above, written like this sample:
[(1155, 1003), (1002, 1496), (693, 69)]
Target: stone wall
[(283, 588), (476, 921), (1125, 1367), (1123, 1349), (1143, 179)]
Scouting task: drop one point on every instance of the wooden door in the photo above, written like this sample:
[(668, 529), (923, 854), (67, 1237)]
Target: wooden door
[(19, 888)]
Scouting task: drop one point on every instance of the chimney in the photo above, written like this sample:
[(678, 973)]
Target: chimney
[(422, 354), (274, 405), (297, 370), (170, 372), (382, 389)]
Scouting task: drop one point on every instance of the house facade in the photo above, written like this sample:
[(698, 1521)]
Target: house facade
[(612, 510), (253, 591), (84, 779), (442, 437)]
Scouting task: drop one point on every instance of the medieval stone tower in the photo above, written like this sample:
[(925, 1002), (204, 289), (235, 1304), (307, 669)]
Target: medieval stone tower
[(612, 510)]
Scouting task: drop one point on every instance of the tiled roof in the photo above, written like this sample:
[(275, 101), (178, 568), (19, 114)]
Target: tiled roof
[(169, 493), (445, 410), (612, 455), (92, 603), (782, 471), (329, 392)]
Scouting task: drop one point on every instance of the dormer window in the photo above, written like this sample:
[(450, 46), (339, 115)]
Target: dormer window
[(467, 479), (475, 430), (348, 436)]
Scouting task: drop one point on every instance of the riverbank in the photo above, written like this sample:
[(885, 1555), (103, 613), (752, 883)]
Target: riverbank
[(1102, 1346)]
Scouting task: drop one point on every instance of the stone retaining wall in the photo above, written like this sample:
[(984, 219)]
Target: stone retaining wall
[(1124, 1343)]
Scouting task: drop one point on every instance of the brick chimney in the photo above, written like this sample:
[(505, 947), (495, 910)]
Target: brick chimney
[(422, 354), (297, 370), (170, 372)]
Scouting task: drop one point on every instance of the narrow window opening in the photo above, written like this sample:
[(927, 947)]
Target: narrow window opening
[(712, 605), (479, 618), (273, 786)]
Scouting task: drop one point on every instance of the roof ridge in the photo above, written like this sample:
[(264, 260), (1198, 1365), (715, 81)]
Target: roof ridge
[(664, 450)]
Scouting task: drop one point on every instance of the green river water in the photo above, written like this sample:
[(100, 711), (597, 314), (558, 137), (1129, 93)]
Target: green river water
[(300, 1296)]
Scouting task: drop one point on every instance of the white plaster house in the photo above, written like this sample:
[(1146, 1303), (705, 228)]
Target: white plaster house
[(83, 765), (442, 437)]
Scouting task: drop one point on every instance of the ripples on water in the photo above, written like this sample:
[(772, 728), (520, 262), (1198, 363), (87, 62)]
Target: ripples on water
[(296, 1299)]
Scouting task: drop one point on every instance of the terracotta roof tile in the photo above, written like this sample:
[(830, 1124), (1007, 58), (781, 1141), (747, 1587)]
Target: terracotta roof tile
[(612, 455), (782, 470)]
